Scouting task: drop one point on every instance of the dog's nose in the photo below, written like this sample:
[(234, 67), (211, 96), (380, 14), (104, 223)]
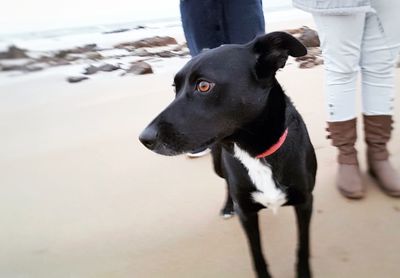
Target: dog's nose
[(148, 137)]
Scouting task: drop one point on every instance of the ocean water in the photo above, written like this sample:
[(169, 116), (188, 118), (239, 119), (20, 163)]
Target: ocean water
[(61, 38)]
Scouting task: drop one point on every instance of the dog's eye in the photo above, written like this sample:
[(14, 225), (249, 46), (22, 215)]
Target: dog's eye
[(204, 86)]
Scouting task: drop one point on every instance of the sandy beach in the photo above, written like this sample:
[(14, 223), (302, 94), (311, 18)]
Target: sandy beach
[(81, 197)]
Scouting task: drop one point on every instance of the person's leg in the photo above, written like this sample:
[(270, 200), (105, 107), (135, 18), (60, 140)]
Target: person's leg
[(341, 38), (243, 20), (378, 60), (202, 24), (388, 14)]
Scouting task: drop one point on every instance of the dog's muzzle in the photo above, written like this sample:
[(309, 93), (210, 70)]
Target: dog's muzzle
[(148, 137)]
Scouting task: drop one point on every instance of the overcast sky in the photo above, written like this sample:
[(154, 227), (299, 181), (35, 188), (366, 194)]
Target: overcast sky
[(35, 15)]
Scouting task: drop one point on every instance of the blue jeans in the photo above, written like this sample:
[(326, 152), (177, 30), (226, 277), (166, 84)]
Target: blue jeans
[(211, 23)]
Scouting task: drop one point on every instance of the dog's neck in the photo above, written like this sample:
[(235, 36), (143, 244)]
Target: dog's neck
[(262, 133)]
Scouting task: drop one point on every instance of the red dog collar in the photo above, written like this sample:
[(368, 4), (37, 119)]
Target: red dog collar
[(275, 146)]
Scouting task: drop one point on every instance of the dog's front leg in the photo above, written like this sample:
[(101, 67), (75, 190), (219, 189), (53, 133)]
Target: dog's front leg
[(250, 225), (227, 210), (303, 216)]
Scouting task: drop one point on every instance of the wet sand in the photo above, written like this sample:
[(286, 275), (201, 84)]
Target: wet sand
[(81, 197)]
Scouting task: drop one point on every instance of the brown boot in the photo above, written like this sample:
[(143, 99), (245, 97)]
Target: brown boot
[(377, 134), (348, 180)]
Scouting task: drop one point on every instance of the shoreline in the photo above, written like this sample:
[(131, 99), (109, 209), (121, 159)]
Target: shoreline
[(116, 50), (274, 16)]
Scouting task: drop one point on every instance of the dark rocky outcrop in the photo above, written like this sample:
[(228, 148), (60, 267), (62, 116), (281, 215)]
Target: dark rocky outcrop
[(76, 79), (139, 67), (14, 52), (306, 35), (310, 39), (77, 50), (94, 56), (108, 67), (23, 68), (311, 59), (104, 67), (91, 70), (117, 31), (147, 42)]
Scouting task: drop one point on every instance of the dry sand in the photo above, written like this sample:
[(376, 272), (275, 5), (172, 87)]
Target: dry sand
[(80, 197)]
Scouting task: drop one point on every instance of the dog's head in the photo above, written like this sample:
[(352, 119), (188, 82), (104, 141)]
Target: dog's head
[(219, 91)]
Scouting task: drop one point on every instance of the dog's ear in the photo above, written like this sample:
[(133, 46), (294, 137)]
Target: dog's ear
[(272, 51)]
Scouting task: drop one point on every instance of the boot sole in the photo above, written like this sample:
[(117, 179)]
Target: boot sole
[(351, 195), (381, 187)]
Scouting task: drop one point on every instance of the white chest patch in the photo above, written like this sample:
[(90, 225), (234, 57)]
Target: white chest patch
[(261, 175)]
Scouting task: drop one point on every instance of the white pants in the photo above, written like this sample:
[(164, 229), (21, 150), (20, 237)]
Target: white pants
[(363, 42)]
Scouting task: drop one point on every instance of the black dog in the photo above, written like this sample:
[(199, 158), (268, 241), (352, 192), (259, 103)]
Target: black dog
[(229, 98)]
